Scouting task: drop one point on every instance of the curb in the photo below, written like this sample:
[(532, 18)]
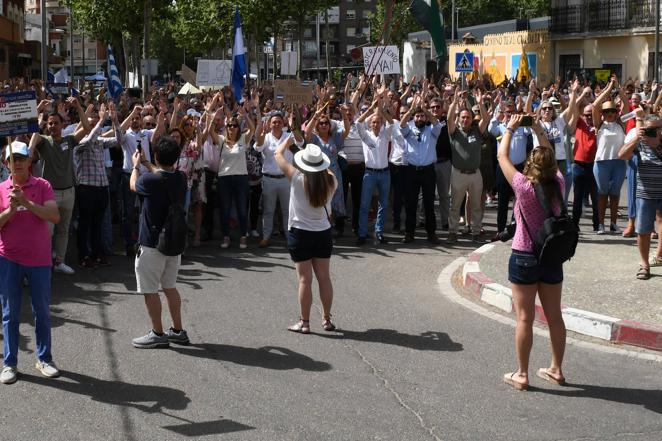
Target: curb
[(612, 329)]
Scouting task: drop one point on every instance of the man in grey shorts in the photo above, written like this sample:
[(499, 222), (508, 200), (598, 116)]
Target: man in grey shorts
[(155, 270)]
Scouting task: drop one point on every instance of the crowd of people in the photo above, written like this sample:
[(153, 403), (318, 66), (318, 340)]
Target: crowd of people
[(411, 144)]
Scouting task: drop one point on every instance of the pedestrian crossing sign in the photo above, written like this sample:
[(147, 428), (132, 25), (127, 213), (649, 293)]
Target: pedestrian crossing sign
[(464, 62)]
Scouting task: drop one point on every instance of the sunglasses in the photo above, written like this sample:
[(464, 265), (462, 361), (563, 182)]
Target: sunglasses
[(435, 107), (323, 123), (588, 115), (546, 109), (188, 124), (231, 126), (609, 111)]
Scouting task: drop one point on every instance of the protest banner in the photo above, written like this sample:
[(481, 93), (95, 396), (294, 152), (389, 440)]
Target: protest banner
[(58, 88), (602, 74), (292, 92), (188, 74), (18, 113), (214, 73), (379, 60), (288, 63)]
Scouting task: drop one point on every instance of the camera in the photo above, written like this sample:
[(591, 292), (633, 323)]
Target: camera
[(507, 233), (651, 132)]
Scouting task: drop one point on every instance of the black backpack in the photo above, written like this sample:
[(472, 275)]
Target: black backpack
[(172, 237), (557, 238)]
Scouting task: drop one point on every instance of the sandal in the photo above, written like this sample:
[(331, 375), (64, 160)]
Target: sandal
[(508, 379), (644, 273), (547, 376), (302, 327), (327, 325)]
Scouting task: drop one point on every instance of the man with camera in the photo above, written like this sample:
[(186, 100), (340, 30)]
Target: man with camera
[(647, 146)]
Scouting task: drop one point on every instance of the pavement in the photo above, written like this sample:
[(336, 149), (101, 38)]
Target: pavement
[(602, 297)]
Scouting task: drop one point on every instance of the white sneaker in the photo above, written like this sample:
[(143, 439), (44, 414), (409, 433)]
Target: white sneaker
[(600, 230), (226, 242), (254, 233), (63, 268), (8, 375), (47, 369)]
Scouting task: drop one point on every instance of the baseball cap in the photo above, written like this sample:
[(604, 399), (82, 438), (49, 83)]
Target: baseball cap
[(17, 148)]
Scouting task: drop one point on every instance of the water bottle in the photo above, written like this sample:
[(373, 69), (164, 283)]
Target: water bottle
[(628, 116)]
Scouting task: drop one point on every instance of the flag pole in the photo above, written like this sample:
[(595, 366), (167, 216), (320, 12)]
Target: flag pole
[(11, 161)]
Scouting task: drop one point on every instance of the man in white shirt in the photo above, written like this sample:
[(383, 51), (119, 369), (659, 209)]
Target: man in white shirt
[(275, 186), (375, 152), (135, 139)]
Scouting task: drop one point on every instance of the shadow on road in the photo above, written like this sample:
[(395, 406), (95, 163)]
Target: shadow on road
[(268, 357), (651, 399), (427, 341), (116, 393)]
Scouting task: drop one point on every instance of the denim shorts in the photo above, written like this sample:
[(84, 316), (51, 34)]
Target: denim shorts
[(524, 269), (609, 175), (645, 221), (305, 245)]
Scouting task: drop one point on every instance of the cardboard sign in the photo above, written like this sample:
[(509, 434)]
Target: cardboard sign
[(188, 74), (292, 92), (379, 60), (288, 63), (214, 73), (18, 113)]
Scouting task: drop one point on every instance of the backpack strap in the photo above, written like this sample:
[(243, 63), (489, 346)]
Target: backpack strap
[(526, 226), (544, 202)]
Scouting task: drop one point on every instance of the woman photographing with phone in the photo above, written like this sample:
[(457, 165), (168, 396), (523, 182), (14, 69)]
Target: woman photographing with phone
[(309, 241), (527, 275)]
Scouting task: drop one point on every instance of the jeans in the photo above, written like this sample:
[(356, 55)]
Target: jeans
[(128, 205), (398, 189), (416, 180), (632, 187), (524, 269), (273, 190), (443, 174), (583, 182), (646, 212), (11, 293), (609, 175), (381, 179), (565, 167), (255, 193), (353, 176), (92, 204), (233, 189), (211, 178), (107, 231)]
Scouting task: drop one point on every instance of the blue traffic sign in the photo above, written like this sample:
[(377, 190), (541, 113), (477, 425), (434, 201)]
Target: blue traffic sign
[(464, 62)]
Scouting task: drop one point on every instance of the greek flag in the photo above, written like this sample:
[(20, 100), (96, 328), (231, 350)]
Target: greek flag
[(114, 84), (238, 58)]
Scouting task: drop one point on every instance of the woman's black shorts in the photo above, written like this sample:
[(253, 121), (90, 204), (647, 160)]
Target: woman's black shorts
[(305, 245)]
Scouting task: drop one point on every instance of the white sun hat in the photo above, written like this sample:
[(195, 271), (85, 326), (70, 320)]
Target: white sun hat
[(312, 159)]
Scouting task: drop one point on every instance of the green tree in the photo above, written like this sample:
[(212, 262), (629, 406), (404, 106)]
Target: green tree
[(402, 23)]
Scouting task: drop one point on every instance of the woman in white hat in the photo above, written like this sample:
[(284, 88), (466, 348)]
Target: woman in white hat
[(309, 240)]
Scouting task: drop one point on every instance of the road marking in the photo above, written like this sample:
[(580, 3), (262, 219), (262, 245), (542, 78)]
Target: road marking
[(448, 290)]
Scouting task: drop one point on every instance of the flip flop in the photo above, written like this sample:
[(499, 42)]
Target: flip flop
[(508, 379), (302, 327), (545, 375)]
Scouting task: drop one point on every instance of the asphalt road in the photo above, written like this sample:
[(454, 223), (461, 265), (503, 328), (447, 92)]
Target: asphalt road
[(408, 363)]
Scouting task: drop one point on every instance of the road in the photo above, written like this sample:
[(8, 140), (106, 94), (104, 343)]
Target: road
[(408, 363)]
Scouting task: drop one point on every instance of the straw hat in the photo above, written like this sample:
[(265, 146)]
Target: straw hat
[(312, 159), (609, 105)]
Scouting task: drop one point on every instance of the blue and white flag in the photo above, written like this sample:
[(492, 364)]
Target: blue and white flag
[(114, 84), (238, 58)]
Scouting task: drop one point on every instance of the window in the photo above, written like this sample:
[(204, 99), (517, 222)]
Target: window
[(309, 47), (351, 32), (366, 13), (92, 53), (569, 65), (350, 14), (616, 68), (77, 40), (307, 33), (78, 53), (366, 31)]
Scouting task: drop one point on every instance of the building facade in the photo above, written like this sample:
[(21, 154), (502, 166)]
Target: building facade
[(12, 48)]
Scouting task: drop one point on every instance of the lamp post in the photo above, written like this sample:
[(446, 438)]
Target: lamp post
[(44, 42), (656, 74)]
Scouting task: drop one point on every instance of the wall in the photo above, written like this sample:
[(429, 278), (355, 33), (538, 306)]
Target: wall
[(498, 54), (630, 51)]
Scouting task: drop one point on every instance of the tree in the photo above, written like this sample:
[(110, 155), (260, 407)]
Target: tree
[(199, 26), (401, 24)]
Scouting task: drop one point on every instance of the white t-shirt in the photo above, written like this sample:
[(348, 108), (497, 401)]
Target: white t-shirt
[(555, 131), (268, 150), (301, 214), (233, 159), (130, 143), (611, 138)]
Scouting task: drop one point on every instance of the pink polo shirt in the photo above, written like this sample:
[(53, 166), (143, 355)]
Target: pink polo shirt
[(24, 239)]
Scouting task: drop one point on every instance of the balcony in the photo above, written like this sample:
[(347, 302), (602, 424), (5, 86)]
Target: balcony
[(597, 16)]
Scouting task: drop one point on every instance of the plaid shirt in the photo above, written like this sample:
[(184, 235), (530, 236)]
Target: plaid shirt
[(89, 159)]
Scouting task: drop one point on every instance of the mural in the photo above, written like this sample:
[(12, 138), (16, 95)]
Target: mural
[(515, 60)]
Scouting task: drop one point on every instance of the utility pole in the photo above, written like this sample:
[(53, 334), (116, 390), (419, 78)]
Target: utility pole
[(453, 21), (317, 33), (147, 74), (44, 42), (326, 40), (71, 46), (656, 74)]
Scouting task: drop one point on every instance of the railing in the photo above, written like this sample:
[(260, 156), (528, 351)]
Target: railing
[(601, 15)]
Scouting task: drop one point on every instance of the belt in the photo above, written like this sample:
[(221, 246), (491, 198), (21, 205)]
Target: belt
[(584, 164), (443, 160), (209, 170), (273, 176), (61, 189), (376, 169), (421, 167), (466, 172)]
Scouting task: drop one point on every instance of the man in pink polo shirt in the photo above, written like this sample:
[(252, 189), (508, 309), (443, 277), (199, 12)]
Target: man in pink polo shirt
[(27, 205)]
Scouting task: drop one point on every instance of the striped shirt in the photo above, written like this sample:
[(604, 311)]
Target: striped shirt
[(89, 157), (649, 176), (353, 150)]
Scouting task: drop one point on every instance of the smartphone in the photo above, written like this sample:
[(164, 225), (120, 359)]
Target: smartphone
[(527, 121), (139, 148)]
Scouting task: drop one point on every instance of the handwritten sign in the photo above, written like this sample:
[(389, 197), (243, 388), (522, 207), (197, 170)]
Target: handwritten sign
[(188, 74), (292, 92), (379, 60), (18, 113), (214, 73)]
